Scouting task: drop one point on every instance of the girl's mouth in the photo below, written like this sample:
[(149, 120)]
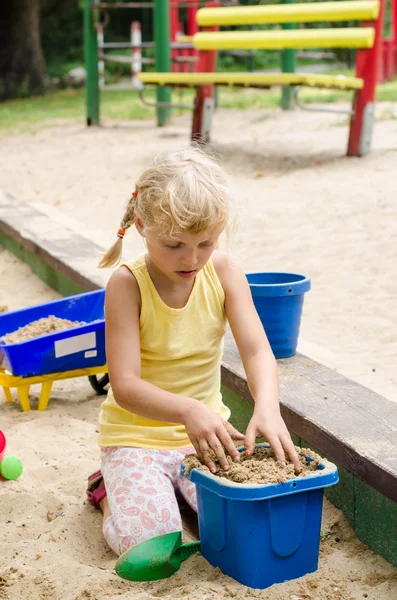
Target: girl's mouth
[(186, 274)]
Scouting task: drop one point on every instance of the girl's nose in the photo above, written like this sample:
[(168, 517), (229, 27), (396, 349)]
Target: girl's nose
[(190, 258)]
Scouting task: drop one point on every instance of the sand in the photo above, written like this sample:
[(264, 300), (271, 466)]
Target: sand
[(51, 541), (260, 467), (43, 326), (303, 207)]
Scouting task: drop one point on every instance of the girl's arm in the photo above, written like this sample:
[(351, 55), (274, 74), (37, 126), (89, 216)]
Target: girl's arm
[(258, 360), (205, 428)]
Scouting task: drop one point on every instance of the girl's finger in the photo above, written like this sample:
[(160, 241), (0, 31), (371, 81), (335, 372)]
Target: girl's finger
[(277, 449), (219, 452), (227, 442), (233, 432), (289, 447), (250, 439), (205, 453), (197, 448)]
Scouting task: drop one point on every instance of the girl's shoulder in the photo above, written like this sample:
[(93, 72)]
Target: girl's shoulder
[(123, 286), (224, 266)]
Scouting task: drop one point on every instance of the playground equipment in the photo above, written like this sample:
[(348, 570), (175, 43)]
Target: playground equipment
[(135, 60), (169, 52), (74, 352), (10, 466), (367, 39)]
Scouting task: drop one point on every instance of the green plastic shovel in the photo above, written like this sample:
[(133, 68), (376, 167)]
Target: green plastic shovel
[(157, 558)]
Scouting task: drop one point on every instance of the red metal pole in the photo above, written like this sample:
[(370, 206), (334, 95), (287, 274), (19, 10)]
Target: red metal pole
[(367, 68), (389, 60), (204, 104), (183, 66), (394, 35), (174, 27), (192, 28), (386, 70)]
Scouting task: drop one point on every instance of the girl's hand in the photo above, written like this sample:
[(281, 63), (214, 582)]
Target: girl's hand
[(207, 430), (271, 426)]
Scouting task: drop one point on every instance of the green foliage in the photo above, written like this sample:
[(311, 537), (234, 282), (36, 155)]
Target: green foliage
[(61, 31)]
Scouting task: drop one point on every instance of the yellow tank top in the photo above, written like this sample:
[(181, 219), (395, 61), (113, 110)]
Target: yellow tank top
[(181, 352)]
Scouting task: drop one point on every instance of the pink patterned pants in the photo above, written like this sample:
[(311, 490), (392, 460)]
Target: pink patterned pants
[(141, 487)]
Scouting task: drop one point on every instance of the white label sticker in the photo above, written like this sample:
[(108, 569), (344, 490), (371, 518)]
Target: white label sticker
[(78, 343), (90, 354)]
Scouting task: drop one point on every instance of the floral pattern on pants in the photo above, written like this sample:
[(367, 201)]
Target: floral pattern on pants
[(141, 487)]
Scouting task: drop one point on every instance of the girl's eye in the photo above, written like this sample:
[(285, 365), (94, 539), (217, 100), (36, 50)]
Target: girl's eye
[(173, 247), (206, 244)]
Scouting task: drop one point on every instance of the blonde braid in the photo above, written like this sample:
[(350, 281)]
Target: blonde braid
[(113, 255)]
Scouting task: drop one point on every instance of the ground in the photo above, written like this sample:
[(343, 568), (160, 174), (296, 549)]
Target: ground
[(302, 207)]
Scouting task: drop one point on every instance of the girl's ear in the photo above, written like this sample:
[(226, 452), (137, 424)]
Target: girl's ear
[(140, 227)]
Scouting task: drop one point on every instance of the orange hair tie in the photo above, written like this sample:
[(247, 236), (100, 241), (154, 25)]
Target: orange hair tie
[(134, 194), (121, 233)]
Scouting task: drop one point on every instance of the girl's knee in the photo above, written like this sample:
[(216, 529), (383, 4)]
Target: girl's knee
[(188, 491), (132, 533)]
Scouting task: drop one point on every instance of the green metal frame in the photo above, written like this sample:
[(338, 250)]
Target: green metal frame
[(287, 66), (161, 27), (91, 64)]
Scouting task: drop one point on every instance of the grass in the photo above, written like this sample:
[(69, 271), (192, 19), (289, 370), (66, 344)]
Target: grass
[(40, 111), (25, 114)]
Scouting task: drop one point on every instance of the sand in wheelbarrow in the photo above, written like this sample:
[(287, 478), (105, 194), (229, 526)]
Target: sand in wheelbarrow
[(40, 327)]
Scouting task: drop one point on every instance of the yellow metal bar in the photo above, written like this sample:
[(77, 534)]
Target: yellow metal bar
[(7, 394), (349, 37), (46, 388), (11, 381), (360, 10), (264, 80), (23, 394), (184, 39), (7, 380)]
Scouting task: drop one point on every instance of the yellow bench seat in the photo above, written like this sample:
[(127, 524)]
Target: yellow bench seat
[(259, 80), (355, 10), (347, 37)]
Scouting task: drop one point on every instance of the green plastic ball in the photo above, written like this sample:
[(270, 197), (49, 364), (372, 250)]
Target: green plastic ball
[(11, 467)]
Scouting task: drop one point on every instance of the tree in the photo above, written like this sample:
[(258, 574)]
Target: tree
[(22, 66)]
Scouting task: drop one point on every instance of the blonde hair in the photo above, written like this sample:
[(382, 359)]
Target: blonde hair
[(184, 191)]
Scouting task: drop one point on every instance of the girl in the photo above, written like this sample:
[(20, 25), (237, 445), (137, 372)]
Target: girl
[(166, 314)]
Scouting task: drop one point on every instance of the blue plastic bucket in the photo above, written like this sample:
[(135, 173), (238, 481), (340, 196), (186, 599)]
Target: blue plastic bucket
[(278, 299), (261, 534)]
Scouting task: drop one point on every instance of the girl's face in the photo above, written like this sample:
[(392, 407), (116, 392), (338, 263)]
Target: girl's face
[(181, 256)]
